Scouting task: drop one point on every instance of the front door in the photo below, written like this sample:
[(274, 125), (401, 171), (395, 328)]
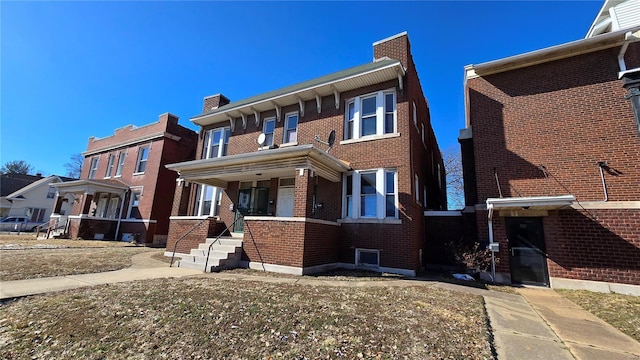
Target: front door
[(527, 251), (284, 206), (243, 208)]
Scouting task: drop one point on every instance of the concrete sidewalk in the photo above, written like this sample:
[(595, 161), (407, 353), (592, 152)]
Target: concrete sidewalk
[(143, 268), (587, 336), (540, 324)]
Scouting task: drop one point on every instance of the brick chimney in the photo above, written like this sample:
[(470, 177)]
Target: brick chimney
[(168, 118), (213, 102), (395, 47)]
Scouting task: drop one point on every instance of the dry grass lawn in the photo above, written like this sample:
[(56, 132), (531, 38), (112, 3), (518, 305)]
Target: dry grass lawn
[(25, 257), (214, 319), (621, 311)]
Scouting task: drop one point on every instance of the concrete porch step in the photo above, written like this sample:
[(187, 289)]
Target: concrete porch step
[(225, 253)]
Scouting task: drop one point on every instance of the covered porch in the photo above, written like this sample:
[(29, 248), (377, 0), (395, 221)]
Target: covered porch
[(96, 210), (279, 201)]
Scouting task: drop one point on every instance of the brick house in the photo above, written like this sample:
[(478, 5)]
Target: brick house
[(551, 160), (332, 172), (125, 191)]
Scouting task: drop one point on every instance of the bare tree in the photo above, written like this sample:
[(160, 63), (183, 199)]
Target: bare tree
[(453, 170), (16, 167), (74, 166)]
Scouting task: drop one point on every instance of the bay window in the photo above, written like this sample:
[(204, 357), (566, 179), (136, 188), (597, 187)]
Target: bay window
[(375, 192), (370, 114)]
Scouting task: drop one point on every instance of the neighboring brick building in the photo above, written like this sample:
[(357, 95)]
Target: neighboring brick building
[(125, 191), (306, 207), (551, 158)]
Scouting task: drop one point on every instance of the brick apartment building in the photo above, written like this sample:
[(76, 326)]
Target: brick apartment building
[(551, 158), (298, 202), (125, 191)]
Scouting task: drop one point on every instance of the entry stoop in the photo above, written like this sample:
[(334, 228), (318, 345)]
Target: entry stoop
[(226, 253)]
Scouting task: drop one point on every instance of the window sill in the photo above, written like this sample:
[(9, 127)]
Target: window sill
[(138, 173), (369, 138), (117, 176), (369, 221), (268, 147), (288, 144)]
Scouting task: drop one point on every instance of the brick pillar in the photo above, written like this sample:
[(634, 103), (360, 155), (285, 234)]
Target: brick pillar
[(303, 198), (180, 205)]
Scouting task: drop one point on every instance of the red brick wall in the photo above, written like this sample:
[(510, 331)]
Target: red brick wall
[(274, 242), (88, 228), (398, 248), (567, 115), (192, 232), (321, 244), (606, 248)]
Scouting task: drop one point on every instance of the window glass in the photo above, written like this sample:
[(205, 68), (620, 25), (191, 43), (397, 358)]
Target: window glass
[(51, 193), (369, 126), (110, 165), (215, 144), (93, 168), (291, 129), (368, 195), (268, 129), (368, 258), (134, 211), (143, 152), (351, 114), (390, 194), (349, 192), (120, 163), (389, 107)]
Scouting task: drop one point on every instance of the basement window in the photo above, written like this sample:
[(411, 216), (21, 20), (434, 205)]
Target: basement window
[(367, 258)]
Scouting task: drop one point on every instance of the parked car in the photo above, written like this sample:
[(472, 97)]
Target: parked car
[(19, 223)]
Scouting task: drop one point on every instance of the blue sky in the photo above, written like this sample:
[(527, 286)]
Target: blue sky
[(71, 70)]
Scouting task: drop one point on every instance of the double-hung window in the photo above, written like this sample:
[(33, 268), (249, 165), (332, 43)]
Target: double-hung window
[(134, 206), (290, 128), (93, 168), (268, 129), (110, 164), (370, 114), (141, 164), (370, 194), (208, 197), (121, 158)]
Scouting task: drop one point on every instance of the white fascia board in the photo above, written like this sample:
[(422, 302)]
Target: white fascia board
[(561, 51), (531, 202), (198, 119), (128, 143)]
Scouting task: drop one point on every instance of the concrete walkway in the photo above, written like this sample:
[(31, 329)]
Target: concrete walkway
[(540, 324)]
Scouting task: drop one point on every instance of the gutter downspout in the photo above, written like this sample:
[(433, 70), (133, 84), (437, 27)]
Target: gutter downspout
[(493, 258), (124, 195), (602, 164)]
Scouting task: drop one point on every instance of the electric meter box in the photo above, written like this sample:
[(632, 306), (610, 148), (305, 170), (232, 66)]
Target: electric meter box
[(494, 247)]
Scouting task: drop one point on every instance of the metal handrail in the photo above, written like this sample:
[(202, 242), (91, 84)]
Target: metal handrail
[(206, 262), (175, 246)]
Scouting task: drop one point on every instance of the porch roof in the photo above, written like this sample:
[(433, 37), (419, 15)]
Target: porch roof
[(533, 203), (262, 164), (86, 186), (333, 84)]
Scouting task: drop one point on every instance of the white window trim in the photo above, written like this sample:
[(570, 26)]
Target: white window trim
[(380, 114), (214, 201), (93, 167), (381, 195), (110, 165), (139, 159), (286, 141), (264, 127), (121, 160), (209, 142), (134, 191)]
